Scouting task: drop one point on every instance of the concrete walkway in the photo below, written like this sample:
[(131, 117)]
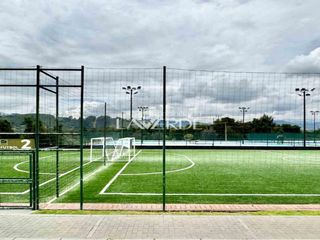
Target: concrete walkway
[(23, 224), (185, 207)]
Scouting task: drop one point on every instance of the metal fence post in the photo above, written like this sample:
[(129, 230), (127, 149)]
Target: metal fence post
[(37, 138), (164, 142), (34, 198), (81, 137), (31, 177), (57, 137), (105, 134)]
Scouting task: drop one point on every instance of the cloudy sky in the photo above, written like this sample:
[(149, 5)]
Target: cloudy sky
[(232, 35), (204, 34)]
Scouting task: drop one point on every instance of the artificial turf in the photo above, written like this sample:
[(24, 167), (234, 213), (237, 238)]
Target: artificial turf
[(195, 172)]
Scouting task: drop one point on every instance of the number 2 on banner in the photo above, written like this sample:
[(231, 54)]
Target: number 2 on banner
[(26, 144)]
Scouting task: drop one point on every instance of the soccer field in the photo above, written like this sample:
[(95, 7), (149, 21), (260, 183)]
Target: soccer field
[(66, 171), (192, 176), (208, 176)]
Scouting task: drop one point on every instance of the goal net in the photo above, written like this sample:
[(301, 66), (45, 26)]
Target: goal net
[(122, 149), (101, 147)]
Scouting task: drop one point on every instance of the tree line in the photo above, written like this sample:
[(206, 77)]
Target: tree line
[(216, 130)]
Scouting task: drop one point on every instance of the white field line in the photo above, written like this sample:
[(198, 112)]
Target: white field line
[(215, 194), (118, 173), (11, 193), (314, 160), (77, 183), (44, 183), (171, 171), (15, 167), (24, 171), (63, 174), (41, 173), (202, 194)]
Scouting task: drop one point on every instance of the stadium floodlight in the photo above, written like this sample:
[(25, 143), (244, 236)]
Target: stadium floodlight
[(142, 109), (314, 113), (304, 92), (131, 91), (243, 110)]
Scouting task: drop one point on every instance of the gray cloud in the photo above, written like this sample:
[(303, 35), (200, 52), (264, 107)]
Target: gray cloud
[(229, 35)]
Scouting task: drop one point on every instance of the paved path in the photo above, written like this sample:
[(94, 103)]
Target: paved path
[(26, 225), (185, 207)]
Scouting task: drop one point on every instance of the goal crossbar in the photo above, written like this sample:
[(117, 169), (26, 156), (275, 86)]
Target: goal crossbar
[(113, 150)]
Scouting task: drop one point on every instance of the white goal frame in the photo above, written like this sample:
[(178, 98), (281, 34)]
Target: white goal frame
[(122, 145), (103, 142), (121, 148)]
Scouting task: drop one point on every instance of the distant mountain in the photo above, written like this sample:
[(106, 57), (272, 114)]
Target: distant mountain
[(309, 123), (69, 124)]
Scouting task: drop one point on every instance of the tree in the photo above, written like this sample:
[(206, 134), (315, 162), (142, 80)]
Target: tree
[(29, 123), (5, 126), (90, 122), (263, 124), (188, 137), (235, 128), (288, 128), (29, 126)]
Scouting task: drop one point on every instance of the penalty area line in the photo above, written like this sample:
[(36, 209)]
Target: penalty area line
[(118, 173), (168, 171), (86, 178), (44, 183)]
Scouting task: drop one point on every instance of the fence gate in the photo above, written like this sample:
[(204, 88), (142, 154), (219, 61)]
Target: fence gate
[(17, 178)]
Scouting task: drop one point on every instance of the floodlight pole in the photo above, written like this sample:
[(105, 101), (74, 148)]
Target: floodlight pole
[(304, 92), (131, 90), (225, 132), (314, 113), (142, 109), (243, 110)]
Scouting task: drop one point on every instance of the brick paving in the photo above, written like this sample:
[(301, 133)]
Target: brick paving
[(186, 207), (16, 225)]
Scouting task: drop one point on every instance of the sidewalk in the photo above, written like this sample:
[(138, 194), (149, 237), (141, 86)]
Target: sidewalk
[(185, 207), (26, 225)]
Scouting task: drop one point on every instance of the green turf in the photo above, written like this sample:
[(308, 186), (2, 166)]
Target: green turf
[(69, 173), (188, 172), (215, 171)]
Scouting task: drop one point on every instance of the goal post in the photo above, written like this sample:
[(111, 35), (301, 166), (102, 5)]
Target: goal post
[(100, 147), (122, 149), (125, 149)]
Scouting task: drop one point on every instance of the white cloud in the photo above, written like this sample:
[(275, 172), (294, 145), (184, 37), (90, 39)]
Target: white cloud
[(232, 35), (229, 34), (306, 63)]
